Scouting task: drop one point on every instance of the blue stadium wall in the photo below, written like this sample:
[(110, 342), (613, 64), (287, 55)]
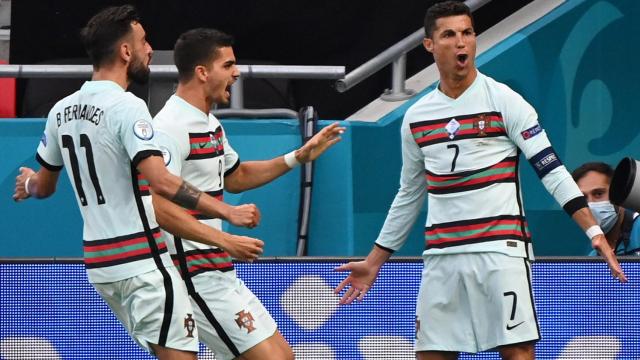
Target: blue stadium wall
[(575, 66)]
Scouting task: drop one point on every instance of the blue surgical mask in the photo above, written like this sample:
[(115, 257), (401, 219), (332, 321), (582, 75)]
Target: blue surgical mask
[(605, 213)]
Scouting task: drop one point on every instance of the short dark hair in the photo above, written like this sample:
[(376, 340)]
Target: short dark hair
[(443, 9), (600, 167), (198, 47), (104, 30)]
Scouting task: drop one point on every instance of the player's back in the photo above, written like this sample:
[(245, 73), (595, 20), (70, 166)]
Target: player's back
[(101, 133)]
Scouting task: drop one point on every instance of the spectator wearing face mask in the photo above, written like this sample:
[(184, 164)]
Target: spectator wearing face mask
[(619, 224)]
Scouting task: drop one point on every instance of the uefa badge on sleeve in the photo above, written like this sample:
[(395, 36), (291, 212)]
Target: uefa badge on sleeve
[(166, 155), (143, 130)]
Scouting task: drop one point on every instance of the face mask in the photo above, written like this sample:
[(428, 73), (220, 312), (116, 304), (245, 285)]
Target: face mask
[(605, 214)]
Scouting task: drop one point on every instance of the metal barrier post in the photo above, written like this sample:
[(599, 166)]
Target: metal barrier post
[(237, 95), (398, 91)]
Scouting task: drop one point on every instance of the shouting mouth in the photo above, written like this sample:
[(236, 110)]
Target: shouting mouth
[(462, 59), (227, 90)]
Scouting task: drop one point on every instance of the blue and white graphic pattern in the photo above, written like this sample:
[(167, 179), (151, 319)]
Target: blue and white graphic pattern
[(50, 311)]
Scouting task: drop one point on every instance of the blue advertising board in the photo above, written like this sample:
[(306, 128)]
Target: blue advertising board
[(48, 310)]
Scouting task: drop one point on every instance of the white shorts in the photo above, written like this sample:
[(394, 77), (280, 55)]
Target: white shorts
[(150, 313), (230, 318), (474, 302)]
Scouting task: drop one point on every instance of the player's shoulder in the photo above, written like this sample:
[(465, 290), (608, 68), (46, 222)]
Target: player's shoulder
[(66, 101), (214, 121), (128, 101), (429, 97), (498, 88), (168, 119)]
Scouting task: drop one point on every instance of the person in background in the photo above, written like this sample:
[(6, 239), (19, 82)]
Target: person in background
[(620, 225)]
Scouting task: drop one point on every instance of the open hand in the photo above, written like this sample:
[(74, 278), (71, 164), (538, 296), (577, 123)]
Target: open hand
[(601, 245), (20, 192), (320, 142), (360, 279)]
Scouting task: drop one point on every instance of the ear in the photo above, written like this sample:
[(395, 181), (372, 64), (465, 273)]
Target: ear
[(201, 73), (125, 52), (428, 44)]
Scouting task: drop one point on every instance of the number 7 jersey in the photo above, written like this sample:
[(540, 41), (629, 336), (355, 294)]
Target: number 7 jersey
[(464, 153), (100, 133)]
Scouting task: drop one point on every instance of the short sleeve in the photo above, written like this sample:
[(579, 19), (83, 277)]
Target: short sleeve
[(136, 131), (231, 157), (49, 154), (173, 158)]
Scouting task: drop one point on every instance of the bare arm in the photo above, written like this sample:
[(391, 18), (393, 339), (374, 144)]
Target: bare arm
[(177, 221), (363, 275), (252, 174), (41, 184), (585, 220), (171, 187)]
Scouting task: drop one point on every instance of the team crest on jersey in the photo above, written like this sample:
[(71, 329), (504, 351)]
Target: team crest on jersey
[(245, 320), (452, 128), (481, 124), (43, 140), (143, 129), (166, 155), (189, 324)]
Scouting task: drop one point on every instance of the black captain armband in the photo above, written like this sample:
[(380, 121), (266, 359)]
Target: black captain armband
[(187, 196), (575, 204), (545, 161)]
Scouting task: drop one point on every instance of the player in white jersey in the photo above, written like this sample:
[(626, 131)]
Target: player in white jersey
[(104, 136), (461, 145), (231, 320)]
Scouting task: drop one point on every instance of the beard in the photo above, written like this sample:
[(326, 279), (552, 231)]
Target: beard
[(138, 72)]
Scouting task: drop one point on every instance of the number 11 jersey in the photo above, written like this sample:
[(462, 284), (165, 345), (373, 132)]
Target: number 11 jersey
[(100, 133)]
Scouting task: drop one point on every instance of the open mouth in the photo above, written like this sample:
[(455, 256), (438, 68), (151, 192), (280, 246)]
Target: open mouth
[(462, 59), (228, 90)]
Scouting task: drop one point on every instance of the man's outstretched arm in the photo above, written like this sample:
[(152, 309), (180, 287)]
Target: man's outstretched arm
[(251, 174)]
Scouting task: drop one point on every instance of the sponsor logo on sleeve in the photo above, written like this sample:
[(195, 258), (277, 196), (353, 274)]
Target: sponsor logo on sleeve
[(531, 132), (143, 130)]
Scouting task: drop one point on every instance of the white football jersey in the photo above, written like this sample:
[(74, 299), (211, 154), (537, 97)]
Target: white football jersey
[(464, 153), (198, 151), (100, 133)]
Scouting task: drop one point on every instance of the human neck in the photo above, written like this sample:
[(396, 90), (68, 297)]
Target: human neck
[(195, 96), (453, 86), (112, 73)]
